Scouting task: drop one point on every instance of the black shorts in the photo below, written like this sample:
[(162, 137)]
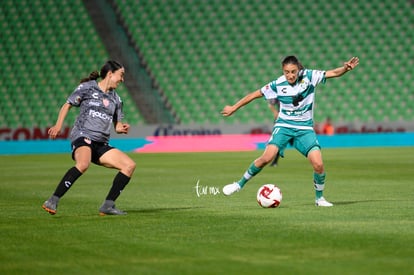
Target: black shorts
[(97, 148)]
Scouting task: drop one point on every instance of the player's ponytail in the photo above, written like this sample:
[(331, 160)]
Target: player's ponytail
[(92, 76), (109, 66)]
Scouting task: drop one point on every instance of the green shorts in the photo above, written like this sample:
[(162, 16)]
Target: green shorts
[(303, 140)]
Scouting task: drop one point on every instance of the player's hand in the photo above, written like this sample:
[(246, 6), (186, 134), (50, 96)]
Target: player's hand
[(122, 128), (53, 132), (228, 110), (351, 64)]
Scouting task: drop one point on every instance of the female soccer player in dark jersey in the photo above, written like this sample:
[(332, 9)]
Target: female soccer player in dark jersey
[(100, 108)]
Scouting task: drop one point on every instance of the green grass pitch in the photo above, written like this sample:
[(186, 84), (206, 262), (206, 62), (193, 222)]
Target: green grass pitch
[(172, 229)]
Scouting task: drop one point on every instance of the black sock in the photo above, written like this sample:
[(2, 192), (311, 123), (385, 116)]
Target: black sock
[(120, 181), (67, 181)]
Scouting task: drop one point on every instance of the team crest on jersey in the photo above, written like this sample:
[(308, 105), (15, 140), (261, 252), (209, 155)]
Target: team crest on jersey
[(303, 84), (105, 102)]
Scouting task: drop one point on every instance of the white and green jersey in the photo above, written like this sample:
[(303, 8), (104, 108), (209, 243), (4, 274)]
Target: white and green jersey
[(296, 101)]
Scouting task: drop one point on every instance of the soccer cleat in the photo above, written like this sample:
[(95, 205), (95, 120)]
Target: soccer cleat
[(323, 202), (50, 206), (110, 210), (229, 189)]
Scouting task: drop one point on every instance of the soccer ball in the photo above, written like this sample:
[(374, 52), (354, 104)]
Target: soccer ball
[(269, 196)]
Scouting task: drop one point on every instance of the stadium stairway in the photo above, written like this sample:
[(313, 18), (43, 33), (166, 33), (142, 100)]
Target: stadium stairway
[(142, 88)]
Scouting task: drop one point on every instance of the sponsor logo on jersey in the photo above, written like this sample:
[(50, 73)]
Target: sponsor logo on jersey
[(94, 103), (295, 112), (100, 115)]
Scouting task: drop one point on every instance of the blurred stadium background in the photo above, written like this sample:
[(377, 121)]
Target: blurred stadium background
[(186, 59)]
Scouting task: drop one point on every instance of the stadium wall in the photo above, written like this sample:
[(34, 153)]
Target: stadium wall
[(203, 138), (138, 131)]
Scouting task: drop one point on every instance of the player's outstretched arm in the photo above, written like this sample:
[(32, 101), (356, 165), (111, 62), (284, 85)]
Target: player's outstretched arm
[(54, 131), (348, 66), (229, 110)]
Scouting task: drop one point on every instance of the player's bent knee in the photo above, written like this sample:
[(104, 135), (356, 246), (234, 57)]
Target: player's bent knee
[(132, 166), (318, 168), (82, 167), (129, 167)]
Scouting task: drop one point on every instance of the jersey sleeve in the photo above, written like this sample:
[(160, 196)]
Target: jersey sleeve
[(76, 97), (269, 90), (273, 101), (316, 76)]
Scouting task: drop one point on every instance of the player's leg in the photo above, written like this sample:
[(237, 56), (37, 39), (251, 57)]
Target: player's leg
[(82, 157), (275, 160), (254, 168), (315, 158), (307, 143), (117, 159), (277, 143), (268, 155), (279, 154)]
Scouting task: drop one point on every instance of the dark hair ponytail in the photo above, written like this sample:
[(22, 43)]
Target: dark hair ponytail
[(291, 59), (92, 76), (109, 66)]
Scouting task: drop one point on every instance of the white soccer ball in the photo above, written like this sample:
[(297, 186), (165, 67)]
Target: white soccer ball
[(269, 196)]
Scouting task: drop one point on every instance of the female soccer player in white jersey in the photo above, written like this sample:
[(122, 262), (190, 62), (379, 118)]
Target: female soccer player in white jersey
[(100, 109), (295, 91)]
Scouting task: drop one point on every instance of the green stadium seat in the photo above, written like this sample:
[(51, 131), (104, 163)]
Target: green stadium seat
[(225, 49), (62, 52)]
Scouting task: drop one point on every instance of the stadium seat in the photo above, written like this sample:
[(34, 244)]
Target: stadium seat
[(221, 50), (42, 77)]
